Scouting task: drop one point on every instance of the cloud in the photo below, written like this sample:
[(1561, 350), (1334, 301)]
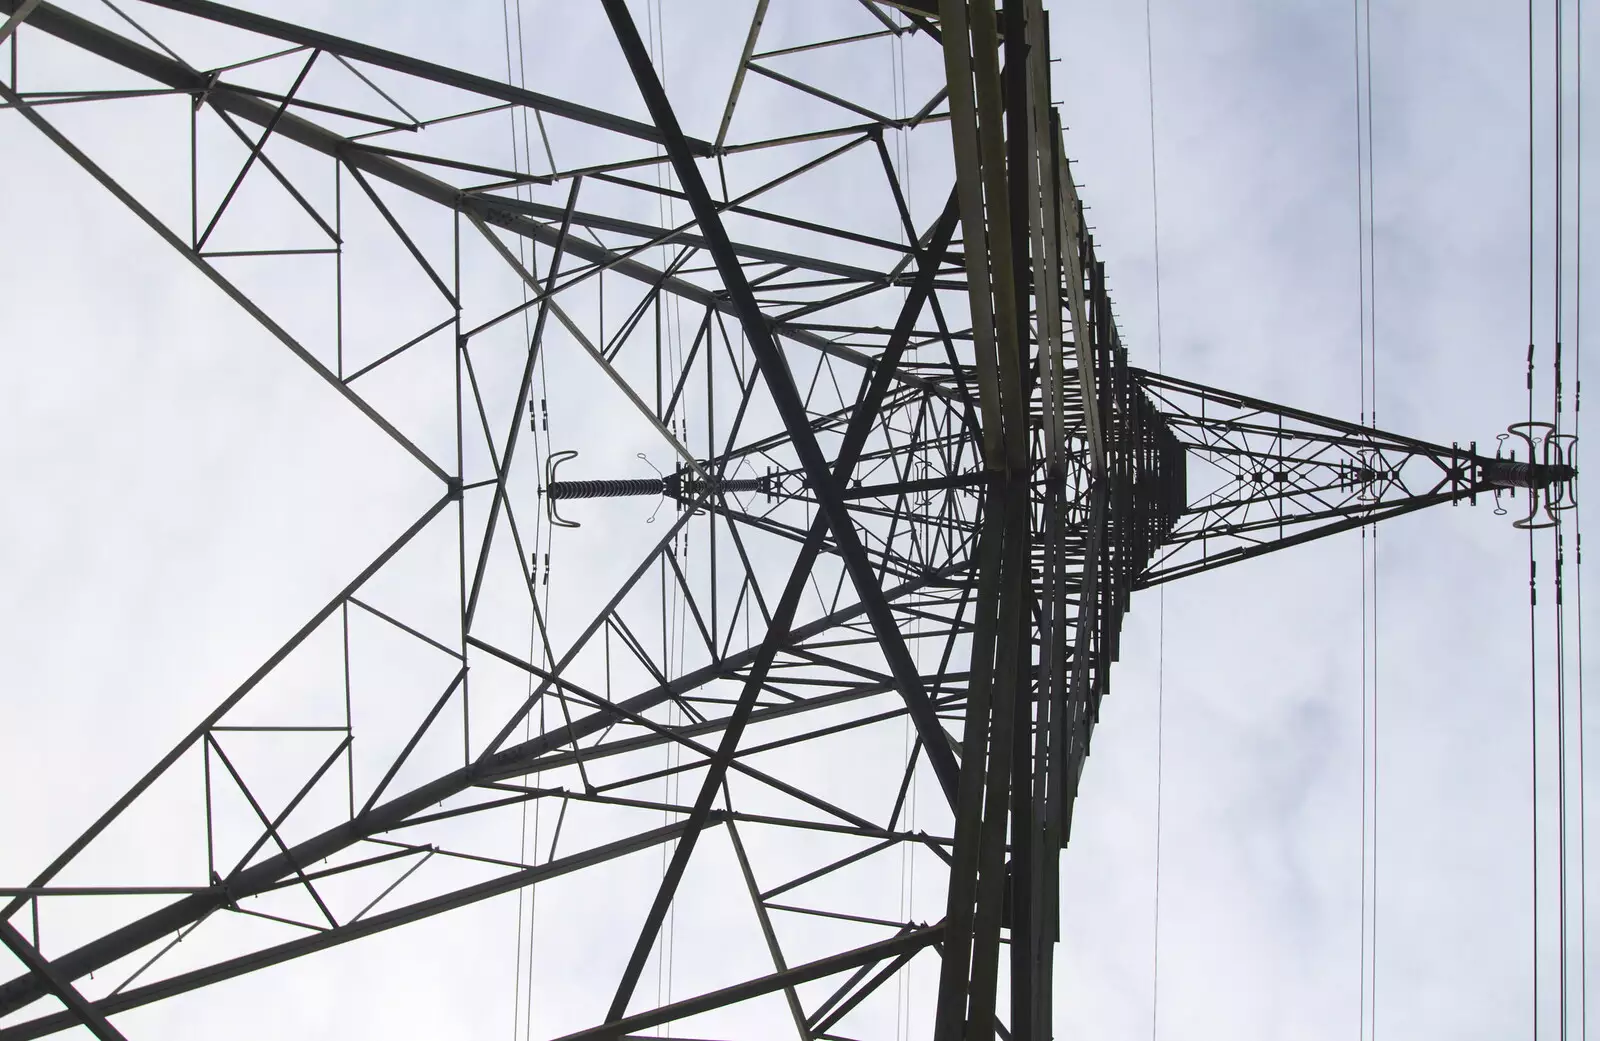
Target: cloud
[(186, 493)]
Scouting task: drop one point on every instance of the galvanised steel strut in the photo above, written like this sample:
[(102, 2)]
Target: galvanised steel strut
[(915, 481)]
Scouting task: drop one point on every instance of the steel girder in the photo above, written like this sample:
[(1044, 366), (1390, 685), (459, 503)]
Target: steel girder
[(987, 481)]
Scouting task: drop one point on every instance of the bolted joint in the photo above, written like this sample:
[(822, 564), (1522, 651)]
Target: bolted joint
[(685, 484)]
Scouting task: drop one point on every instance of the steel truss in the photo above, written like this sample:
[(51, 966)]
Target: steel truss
[(913, 483)]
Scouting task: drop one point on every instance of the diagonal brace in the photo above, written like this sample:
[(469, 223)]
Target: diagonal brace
[(786, 398), (62, 988)]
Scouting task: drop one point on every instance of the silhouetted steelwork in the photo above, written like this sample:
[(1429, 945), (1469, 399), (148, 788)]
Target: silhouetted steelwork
[(921, 477)]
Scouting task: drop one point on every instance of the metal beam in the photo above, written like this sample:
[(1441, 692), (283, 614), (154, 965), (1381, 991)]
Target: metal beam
[(78, 1007), (184, 982), (657, 234), (189, 741), (206, 268), (404, 63), (786, 399), (18, 16), (783, 614), (501, 212), (511, 762), (909, 942)]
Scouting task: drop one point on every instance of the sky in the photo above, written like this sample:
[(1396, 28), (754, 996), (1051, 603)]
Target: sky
[(185, 493), (1255, 133)]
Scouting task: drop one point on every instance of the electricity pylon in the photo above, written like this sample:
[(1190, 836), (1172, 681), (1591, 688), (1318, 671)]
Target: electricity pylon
[(913, 481)]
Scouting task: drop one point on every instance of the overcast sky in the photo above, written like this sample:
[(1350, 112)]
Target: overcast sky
[(153, 440)]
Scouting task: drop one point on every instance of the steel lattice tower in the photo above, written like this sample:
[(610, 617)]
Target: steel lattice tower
[(913, 482)]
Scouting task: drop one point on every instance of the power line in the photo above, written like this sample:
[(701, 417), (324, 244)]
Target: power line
[(1361, 321), (1372, 370), (1161, 610), (1533, 640), (1560, 612), (1577, 516), (1366, 270)]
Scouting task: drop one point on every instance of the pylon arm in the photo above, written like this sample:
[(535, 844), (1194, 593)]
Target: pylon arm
[(1261, 477)]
